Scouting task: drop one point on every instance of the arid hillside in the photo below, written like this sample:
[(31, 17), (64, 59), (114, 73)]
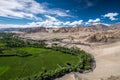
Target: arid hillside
[(92, 28), (108, 36)]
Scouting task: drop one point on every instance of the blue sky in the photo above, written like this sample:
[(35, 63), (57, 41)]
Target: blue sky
[(57, 13)]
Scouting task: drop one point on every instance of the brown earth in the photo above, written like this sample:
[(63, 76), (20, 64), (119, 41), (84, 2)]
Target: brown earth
[(107, 59)]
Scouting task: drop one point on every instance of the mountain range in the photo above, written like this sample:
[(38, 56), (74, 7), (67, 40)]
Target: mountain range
[(92, 28)]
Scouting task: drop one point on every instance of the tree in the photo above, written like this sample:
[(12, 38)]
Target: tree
[(1, 52)]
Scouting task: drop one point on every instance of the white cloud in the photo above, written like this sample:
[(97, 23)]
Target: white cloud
[(94, 21), (26, 9), (51, 18), (77, 22), (50, 22), (111, 16), (57, 23), (46, 23), (18, 9), (67, 23), (57, 12)]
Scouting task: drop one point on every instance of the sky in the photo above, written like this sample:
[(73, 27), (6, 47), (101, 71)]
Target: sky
[(58, 13)]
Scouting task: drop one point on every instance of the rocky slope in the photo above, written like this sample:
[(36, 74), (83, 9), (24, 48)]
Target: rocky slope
[(116, 26), (92, 28), (34, 30), (108, 36)]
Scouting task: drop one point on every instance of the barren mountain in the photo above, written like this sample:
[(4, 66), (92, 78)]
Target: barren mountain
[(108, 36), (34, 30), (92, 28), (99, 27), (61, 30), (116, 26)]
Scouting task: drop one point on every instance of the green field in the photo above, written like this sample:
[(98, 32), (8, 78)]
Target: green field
[(33, 60), (2, 44), (42, 59)]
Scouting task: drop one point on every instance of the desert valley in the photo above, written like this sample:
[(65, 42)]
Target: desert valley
[(102, 41), (59, 39)]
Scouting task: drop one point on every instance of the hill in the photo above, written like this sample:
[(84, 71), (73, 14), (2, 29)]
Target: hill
[(108, 36)]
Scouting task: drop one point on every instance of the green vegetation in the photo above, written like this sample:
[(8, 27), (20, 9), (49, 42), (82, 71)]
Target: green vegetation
[(3, 69), (2, 45), (41, 60), (31, 60)]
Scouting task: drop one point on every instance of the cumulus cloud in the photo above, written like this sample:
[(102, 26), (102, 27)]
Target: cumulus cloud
[(111, 16), (67, 23), (26, 9), (77, 22), (94, 21), (55, 23), (49, 22)]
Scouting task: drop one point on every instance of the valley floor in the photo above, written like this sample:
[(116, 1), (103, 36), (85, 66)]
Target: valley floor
[(107, 63)]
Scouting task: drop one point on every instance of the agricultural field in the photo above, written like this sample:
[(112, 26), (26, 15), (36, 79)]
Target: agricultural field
[(26, 60), (12, 67)]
